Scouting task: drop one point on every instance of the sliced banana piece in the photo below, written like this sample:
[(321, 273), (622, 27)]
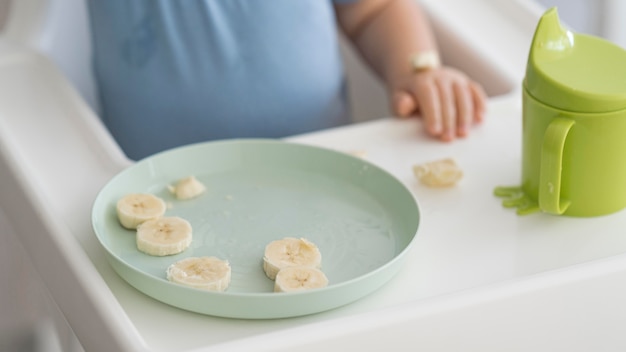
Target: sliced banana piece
[(133, 209), (298, 278), (439, 173), (207, 273), (187, 188), (290, 252), (164, 236)]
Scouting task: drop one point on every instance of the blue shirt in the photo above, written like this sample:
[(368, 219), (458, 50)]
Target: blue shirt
[(173, 72)]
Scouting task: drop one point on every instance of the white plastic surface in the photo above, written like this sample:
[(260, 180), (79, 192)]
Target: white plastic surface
[(479, 277)]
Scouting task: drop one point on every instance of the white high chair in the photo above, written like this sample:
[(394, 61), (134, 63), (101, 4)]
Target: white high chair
[(60, 31), (55, 154)]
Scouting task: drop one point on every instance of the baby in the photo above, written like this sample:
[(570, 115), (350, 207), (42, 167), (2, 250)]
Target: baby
[(177, 72)]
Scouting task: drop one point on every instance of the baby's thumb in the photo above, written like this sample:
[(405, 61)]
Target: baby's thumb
[(403, 104)]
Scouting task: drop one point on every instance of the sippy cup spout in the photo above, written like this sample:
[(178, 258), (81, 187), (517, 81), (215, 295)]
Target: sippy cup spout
[(551, 38)]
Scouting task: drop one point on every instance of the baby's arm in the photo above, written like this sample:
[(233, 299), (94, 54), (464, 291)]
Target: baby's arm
[(388, 33)]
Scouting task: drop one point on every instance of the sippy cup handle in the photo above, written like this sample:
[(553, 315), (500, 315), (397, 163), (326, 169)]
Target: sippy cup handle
[(551, 165)]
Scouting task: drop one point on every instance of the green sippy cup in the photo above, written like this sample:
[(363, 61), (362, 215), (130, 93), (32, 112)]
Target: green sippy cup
[(574, 125)]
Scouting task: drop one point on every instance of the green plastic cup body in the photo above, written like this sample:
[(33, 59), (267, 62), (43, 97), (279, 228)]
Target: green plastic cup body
[(573, 163)]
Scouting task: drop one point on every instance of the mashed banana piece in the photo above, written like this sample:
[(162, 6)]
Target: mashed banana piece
[(187, 188), (438, 173)]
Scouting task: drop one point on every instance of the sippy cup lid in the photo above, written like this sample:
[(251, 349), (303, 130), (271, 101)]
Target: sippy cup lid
[(575, 72)]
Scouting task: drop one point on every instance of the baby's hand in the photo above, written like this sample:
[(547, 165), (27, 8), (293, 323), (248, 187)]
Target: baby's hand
[(447, 99)]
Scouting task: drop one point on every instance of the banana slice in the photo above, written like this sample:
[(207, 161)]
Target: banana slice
[(298, 278), (187, 188), (207, 273), (134, 209), (164, 236), (439, 173), (289, 252)]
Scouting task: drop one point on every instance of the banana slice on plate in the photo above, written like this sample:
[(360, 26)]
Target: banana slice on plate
[(134, 209), (299, 278), (164, 236), (207, 273), (187, 188), (290, 252)]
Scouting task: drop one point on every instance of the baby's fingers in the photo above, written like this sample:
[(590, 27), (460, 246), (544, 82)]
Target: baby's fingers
[(448, 110), (431, 108), (479, 98), (465, 108), (403, 104)]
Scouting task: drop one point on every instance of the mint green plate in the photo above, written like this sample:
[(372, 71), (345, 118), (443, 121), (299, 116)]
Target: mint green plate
[(361, 217)]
